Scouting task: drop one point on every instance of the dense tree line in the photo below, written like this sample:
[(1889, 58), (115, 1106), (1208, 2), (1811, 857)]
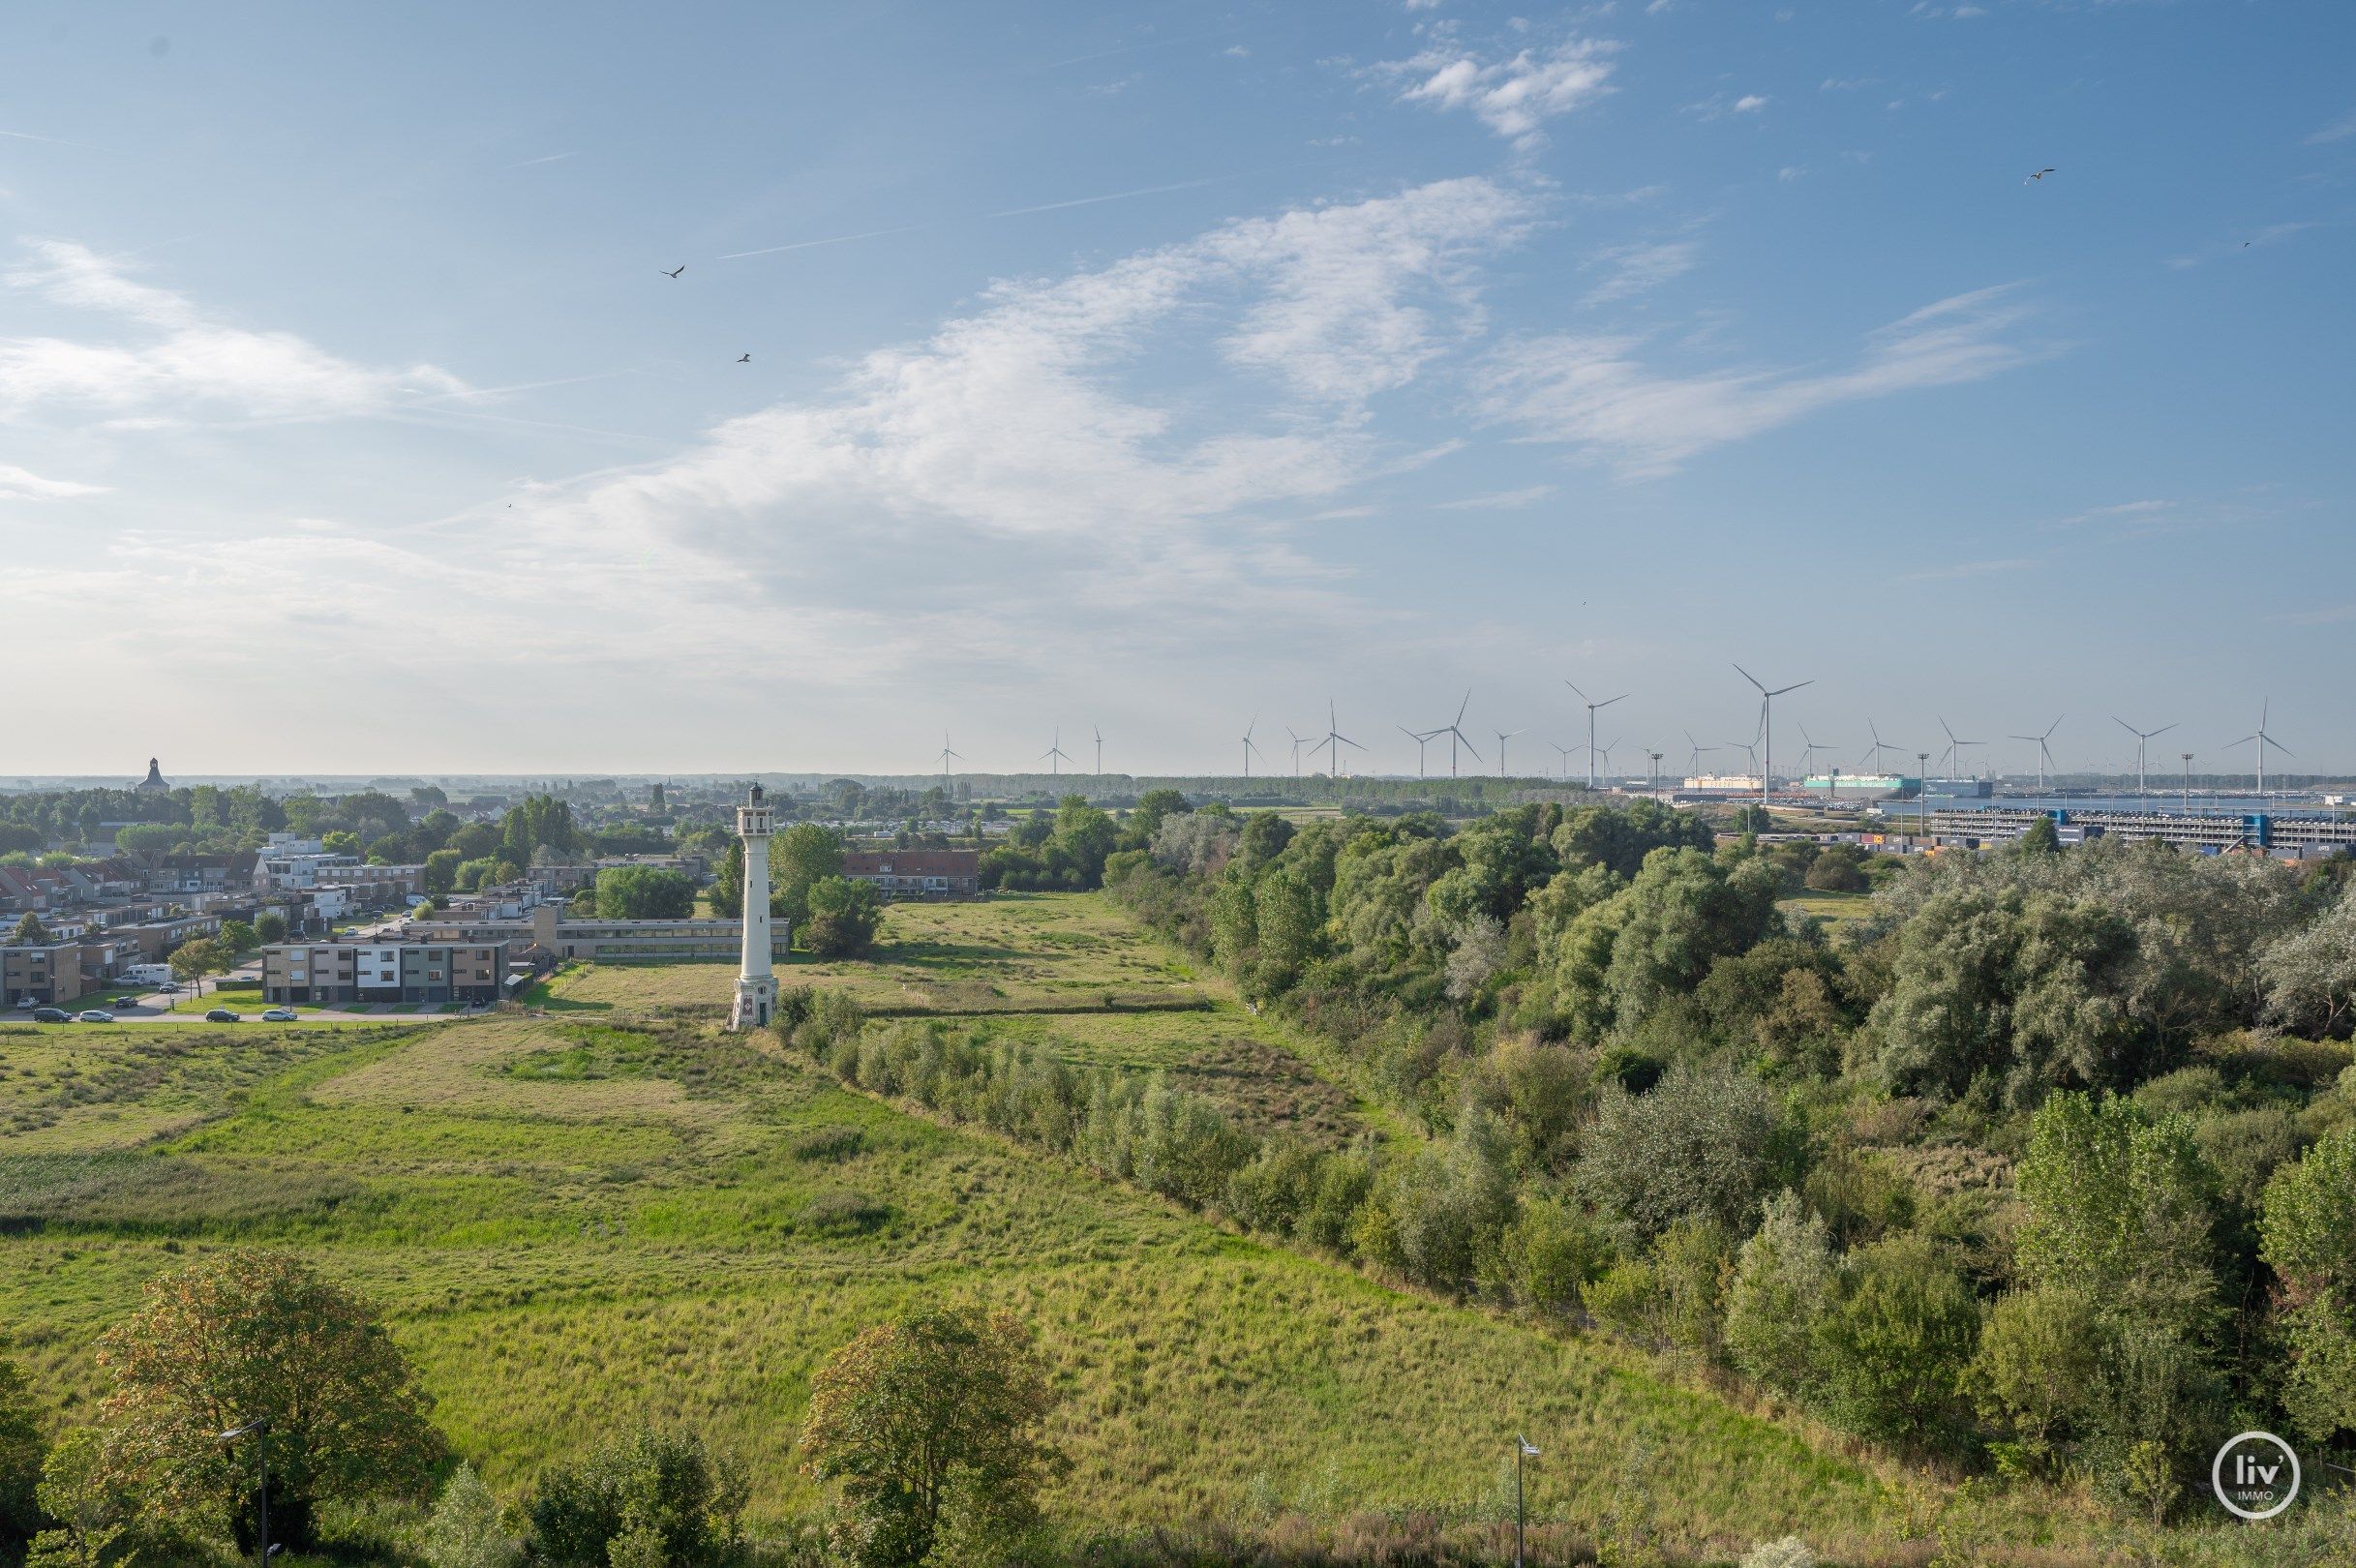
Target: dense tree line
[(2045, 1165)]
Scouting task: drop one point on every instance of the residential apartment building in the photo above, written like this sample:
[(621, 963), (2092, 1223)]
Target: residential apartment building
[(930, 875), (408, 968)]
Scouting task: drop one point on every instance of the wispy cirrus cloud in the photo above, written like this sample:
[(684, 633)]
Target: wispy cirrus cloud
[(23, 484), (1514, 96), (1500, 501), (168, 356), (1594, 394), (1630, 270), (2340, 130)]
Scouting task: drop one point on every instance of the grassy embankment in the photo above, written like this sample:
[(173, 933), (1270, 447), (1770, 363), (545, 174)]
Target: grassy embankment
[(616, 1213)]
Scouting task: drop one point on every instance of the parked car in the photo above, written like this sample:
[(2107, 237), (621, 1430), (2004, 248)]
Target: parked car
[(26, 1003), (279, 1016), (95, 1015), (126, 1001), (168, 985), (51, 1016), (222, 1015)]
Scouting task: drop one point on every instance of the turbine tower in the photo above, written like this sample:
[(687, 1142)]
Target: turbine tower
[(1807, 754), (2044, 755), (1334, 740), (1591, 708), (1566, 759), (2143, 738), (945, 755), (1455, 735), (1879, 746), (1766, 723), (1100, 751), (1250, 746), (1503, 736), (1693, 759), (1054, 756), (1421, 739), (2264, 740), (1955, 749), (1298, 741)]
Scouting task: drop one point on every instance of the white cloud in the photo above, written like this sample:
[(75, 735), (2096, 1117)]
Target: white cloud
[(1513, 97), (22, 484), (1751, 104), (1635, 269), (175, 358), (1720, 105), (1593, 394), (2338, 130), (1499, 500), (1791, 171)]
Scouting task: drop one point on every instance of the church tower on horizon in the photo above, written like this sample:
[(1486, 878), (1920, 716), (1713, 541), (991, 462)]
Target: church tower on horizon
[(756, 1000)]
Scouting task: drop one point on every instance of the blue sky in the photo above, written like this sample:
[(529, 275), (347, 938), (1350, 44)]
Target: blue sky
[(1153, 367)]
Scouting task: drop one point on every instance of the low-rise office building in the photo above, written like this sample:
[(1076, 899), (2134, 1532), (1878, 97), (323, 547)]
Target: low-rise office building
[(612, 942), (917, 874), (406, 968)]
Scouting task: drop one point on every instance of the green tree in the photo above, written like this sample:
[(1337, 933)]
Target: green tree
[(1784, 1282), (30, 932), (1699, 1144), (465, 1530), (2121, 1205), (247, 1336), (270, 927), (2039, 1357), (802, 855), (88, 1518), (340, 842), (728, 881), (237, 937), (642, 892), (20, 1456), (2040, 837), (190, 961), (927, 1421), (441, 873), (2308, 1226), (650, 1496), (843, 916), (1890, 1351)]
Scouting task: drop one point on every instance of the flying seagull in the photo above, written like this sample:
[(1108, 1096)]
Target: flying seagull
[(745, 359), (675, 271), (2039, 175)]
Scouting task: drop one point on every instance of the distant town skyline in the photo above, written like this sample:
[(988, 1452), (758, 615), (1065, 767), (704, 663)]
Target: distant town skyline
[(1157, 366)]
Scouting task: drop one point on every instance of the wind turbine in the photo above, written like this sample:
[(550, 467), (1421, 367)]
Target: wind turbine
[(1591, 708), (1751, 746), (1250, 747), (2044, 755), (1503, 736), (1298, 741), (1693, 761), (1807, 754), (1607, 757), (1055, 752), (1100, 750), (2264, 740), (1879, 746), (1767, 721), (1455, 735), (1421, 739), (1566, 758), (1955, 748), (945, 755), (2143, 738), (1334, 741)]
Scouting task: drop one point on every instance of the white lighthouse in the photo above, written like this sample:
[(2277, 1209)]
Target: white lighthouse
[(756, 988)]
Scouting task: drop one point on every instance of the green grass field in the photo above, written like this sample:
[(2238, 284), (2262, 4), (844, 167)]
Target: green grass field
[(601, 1215), (1831, 908)]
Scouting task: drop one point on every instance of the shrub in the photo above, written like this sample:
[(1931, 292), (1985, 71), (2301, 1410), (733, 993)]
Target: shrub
[(1890, 1351), (1700, 1143), (669, 1485), (464, 1530)]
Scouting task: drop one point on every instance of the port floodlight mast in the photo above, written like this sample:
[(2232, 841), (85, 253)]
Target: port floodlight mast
[(1767, 724), (2187, 795), (1652, 769), (1591, 707)]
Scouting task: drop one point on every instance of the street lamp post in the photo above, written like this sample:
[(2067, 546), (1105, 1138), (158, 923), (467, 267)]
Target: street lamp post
[(259, 1428), (1522, 1451)]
